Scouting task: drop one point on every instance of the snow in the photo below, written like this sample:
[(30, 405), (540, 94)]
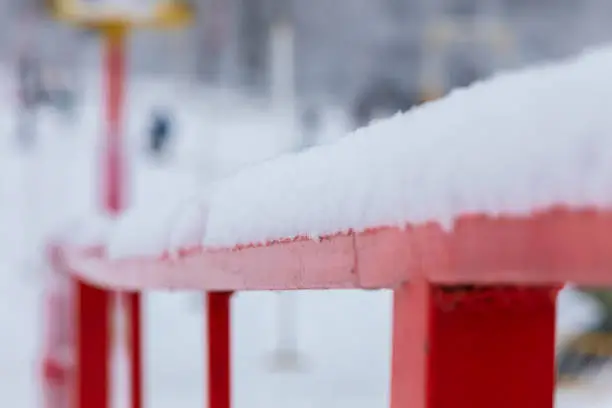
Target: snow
[(344, 336), (517, 142), (166, 198), (174, 213), (90, 230)]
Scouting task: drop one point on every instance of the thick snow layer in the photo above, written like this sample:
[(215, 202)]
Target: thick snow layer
[(511, 144), (170, 208), (162, 215), (350, 372)]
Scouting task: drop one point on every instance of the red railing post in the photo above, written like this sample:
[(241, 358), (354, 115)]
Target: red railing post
[(92, 346), (474, 309), (218, 306), (473, 347), (58, 358), (134, 344), (93, 317)]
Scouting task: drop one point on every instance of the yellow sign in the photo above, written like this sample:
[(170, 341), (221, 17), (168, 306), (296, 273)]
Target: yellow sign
[(104, 14)]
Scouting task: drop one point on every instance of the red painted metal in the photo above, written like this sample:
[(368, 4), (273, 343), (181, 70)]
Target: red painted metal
[(134, 340), (473, 347), (492, 346), (218, 306), (93, 304), (554, 246), (474, 308), (114, 190), (113, 177), (58, 349)]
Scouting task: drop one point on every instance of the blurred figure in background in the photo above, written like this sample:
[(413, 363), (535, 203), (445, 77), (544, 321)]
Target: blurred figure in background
[(160, 131), (31, 94), (58, 93)]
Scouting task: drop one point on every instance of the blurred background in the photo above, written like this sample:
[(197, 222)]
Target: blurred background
[(246, 81), (340, 47)]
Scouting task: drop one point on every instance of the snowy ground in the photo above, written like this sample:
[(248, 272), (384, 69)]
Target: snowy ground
[(345, 357)]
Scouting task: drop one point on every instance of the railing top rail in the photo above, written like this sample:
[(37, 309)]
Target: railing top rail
[(553, 246)]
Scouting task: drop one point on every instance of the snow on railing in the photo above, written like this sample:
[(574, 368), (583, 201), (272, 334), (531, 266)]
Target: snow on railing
[(474, 209), (552, 246), (509, 145)]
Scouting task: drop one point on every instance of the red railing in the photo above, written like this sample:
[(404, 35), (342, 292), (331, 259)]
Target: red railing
[(474, 308)]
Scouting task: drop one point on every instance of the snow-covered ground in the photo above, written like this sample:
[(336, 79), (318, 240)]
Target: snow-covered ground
[(344, 337)]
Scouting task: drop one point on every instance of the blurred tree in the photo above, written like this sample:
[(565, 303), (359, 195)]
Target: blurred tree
[(213, 28), (253, 43), (463, 8)]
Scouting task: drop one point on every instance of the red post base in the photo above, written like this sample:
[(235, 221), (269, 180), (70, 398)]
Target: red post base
[(135, 348), (473, 347), (219, 349), (92, 311)]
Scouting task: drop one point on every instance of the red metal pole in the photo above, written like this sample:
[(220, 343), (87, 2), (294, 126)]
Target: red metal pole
[(473, 348), (93, 346), (113, 176), (58, 371), (135, 347), (219, 349), (115, 189), (93, 305)]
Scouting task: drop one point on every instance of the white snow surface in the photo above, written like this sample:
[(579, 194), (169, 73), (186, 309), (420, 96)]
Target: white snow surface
[(343, 336), (88, 230), (511, 144), (150, 232)]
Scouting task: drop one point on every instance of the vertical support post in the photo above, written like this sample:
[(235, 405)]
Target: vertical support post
[(114, 189), (58, 371), (134, 322), (93, 346), (219, 349), (93, 304), (473, 347), (114, 59)]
